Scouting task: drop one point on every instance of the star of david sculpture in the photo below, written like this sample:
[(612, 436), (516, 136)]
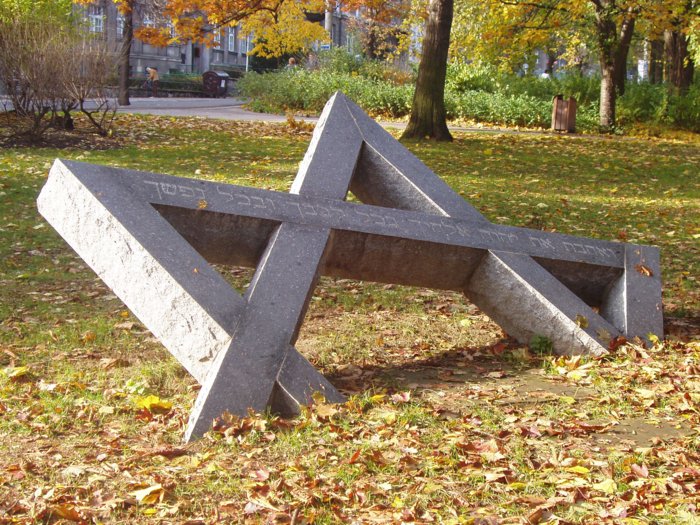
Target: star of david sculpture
[(151, 238)]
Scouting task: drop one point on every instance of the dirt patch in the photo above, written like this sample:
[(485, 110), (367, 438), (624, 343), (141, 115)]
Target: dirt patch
[(682, 328), (82, 137), (640, 432)]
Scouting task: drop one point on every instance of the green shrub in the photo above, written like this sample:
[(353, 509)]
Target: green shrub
[(472, 93), (471, 77), (299, 89), (642, 102), (684, 111), (585, 89), (338, 60), (178, 81)]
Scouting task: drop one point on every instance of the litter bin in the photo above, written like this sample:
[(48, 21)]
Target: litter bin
[(215, 83), (564, 114)]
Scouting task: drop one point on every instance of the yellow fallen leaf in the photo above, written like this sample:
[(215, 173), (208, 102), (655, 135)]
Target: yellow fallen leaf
[(431, 488), (607, 485), (576, 375), (154, 404), (149, 495), (376, 398), (322, 408), (578, 469), (646, 393), (387, 415), (568, 400), (326, 411), (16, 372)]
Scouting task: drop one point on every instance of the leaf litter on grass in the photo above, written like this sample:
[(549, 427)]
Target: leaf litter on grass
[(449, 421)]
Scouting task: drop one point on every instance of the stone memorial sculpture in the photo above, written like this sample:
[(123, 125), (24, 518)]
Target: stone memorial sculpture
[(151, 237)]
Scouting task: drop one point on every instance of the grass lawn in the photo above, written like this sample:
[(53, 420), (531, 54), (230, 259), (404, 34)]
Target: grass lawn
[(450, 422)]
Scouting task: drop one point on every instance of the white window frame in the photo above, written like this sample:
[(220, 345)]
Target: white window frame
[(120, 26), (242, 42), (232, 40), (96, 19)]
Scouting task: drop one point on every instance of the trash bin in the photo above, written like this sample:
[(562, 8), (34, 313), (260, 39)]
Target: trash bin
[(215, 83), (564, 114)]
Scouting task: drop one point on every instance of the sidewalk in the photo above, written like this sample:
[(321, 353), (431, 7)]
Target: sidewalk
[(222, 108)]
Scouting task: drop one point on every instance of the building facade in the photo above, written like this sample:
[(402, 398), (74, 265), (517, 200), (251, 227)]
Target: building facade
[(104, 20), (231, 53)]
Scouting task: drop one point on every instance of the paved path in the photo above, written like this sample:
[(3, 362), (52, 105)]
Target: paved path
[(222, 108), (232, 109)]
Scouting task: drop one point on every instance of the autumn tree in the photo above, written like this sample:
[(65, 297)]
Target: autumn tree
[(506, 29), (280, 26), (678, 61), (379, 25)]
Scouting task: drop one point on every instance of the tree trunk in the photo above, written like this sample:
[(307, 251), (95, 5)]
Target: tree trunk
[(551, 59), (679, 65), (613, 50), (123, 59), (606, 33), (621, 53), (428, 116), (608, 96), (656, 62)]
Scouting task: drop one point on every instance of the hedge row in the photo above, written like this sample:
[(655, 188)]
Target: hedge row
[(472, 96)]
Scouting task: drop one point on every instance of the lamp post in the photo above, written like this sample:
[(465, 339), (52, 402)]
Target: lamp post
[(247, 55)]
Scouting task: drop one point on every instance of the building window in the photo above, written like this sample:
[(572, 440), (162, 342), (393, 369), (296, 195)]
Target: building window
[(120, 26), (217, 38), (232, 39), (242, 41), (148, 21), (96, 19)]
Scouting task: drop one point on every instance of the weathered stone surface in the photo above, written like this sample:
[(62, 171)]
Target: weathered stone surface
[(188, 306), (149, 237)]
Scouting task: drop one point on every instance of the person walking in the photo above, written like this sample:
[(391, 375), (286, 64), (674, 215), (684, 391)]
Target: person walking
[(153, 80)]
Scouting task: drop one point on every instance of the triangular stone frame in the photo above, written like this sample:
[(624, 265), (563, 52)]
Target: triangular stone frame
[(145, 235)]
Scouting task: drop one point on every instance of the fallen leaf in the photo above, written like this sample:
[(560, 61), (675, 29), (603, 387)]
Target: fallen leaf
[(73, 470), (261, 474), (154, 404), (640, 471), (644, 270), (608, 486), (149, 495), (17, 373), (67, 512)]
